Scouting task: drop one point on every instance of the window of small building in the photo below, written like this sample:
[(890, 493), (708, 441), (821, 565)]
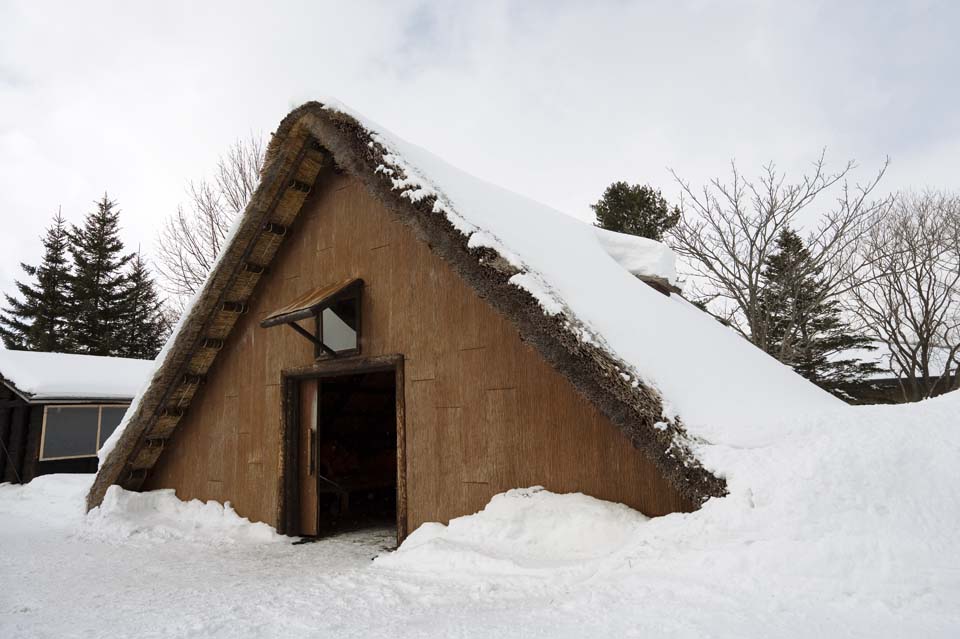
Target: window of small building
[(110, 417), (77, 431)]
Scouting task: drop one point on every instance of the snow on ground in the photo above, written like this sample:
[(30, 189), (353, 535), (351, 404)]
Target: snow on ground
[(160, 515), (843, 526)]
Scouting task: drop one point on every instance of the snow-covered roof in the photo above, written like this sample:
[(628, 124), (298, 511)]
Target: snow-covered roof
[(642, 257), (665, 373), (59, 376), (722, 387)]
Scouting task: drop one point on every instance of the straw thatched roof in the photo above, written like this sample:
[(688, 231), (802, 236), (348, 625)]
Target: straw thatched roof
[(313, 139)]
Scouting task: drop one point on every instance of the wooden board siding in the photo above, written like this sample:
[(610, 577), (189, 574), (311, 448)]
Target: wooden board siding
[(484, 412), (14, 428)]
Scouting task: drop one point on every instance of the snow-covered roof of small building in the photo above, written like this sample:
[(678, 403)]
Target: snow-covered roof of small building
[(665, 373), (644, 258), (41, 377)]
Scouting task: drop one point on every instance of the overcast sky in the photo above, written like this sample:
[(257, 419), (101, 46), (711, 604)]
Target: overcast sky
[(554, 100)]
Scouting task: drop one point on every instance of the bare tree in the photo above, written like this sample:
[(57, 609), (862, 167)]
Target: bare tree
[(728, 230), (908, 297), (191, 239)]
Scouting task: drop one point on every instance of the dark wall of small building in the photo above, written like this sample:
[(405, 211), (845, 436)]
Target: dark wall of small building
[(21, 427), (882, 391), (14, 435)]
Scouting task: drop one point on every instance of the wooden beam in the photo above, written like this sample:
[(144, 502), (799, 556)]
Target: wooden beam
[(297, 185), (276, 229), (326, 349), (253, 267), (192, 380), (212, 343), (234, 307), (401, 409)]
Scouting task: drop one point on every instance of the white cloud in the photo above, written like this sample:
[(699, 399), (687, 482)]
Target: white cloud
[(554, 100)]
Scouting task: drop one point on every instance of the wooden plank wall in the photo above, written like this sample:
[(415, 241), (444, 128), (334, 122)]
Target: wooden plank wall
[(14, 437), (484, 412)]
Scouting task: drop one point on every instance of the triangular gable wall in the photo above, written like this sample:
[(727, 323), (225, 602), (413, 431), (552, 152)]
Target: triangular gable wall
[(312, 139), (483, 411)]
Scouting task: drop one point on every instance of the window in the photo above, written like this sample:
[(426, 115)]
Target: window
[(338, 325), (77, 431), (335, 309)]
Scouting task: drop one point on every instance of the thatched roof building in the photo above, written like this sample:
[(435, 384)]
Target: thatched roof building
[(521, 348)]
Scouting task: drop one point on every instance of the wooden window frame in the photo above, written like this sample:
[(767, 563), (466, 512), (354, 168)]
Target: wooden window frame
[(288, 489), (294, 313), (43, 429), (353, 293)]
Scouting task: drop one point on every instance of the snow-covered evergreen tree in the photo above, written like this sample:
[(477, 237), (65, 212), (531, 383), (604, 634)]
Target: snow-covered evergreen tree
[(98, 285), (806, 334), (37, 320)]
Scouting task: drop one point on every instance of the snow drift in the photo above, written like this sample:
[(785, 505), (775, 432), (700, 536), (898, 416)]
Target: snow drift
[(521, 530), (851, 514), (159, 515)]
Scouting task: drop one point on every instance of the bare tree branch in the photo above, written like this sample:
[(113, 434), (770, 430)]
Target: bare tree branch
[(729, 229), (191, 239), (908, 294)]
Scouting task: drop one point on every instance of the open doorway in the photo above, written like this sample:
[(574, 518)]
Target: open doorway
[(349, 443)]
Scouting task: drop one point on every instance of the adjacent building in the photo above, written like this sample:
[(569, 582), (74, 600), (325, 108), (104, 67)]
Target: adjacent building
[(57, 410)]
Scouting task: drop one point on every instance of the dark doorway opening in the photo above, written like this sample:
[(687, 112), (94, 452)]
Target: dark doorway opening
[(357, 452), (344, 448)]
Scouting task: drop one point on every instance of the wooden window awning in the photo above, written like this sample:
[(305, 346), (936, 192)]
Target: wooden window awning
[(335, 310), (311, 303)]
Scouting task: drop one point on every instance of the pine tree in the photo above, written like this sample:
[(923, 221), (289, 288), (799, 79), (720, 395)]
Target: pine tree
[(37, 321), (143, 326), (803, 329), (98, 286), (635, 209)]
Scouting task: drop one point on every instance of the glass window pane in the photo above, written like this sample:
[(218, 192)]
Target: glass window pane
[(70, 431), (339, 325), (110, 417)]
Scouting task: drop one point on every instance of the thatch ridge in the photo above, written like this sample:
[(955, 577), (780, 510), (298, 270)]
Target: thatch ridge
[(593, 370)]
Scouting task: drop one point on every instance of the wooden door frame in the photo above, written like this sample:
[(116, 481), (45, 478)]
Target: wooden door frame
[(288, 505)]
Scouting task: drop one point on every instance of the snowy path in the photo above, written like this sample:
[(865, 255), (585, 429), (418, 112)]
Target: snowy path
[(818, 538), (58, 582)]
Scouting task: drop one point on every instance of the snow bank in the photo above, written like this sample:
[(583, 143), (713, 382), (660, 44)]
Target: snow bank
[(521, 530), (851, 514), (64, 376), (59, 496), (640, 256), (159, 515)]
